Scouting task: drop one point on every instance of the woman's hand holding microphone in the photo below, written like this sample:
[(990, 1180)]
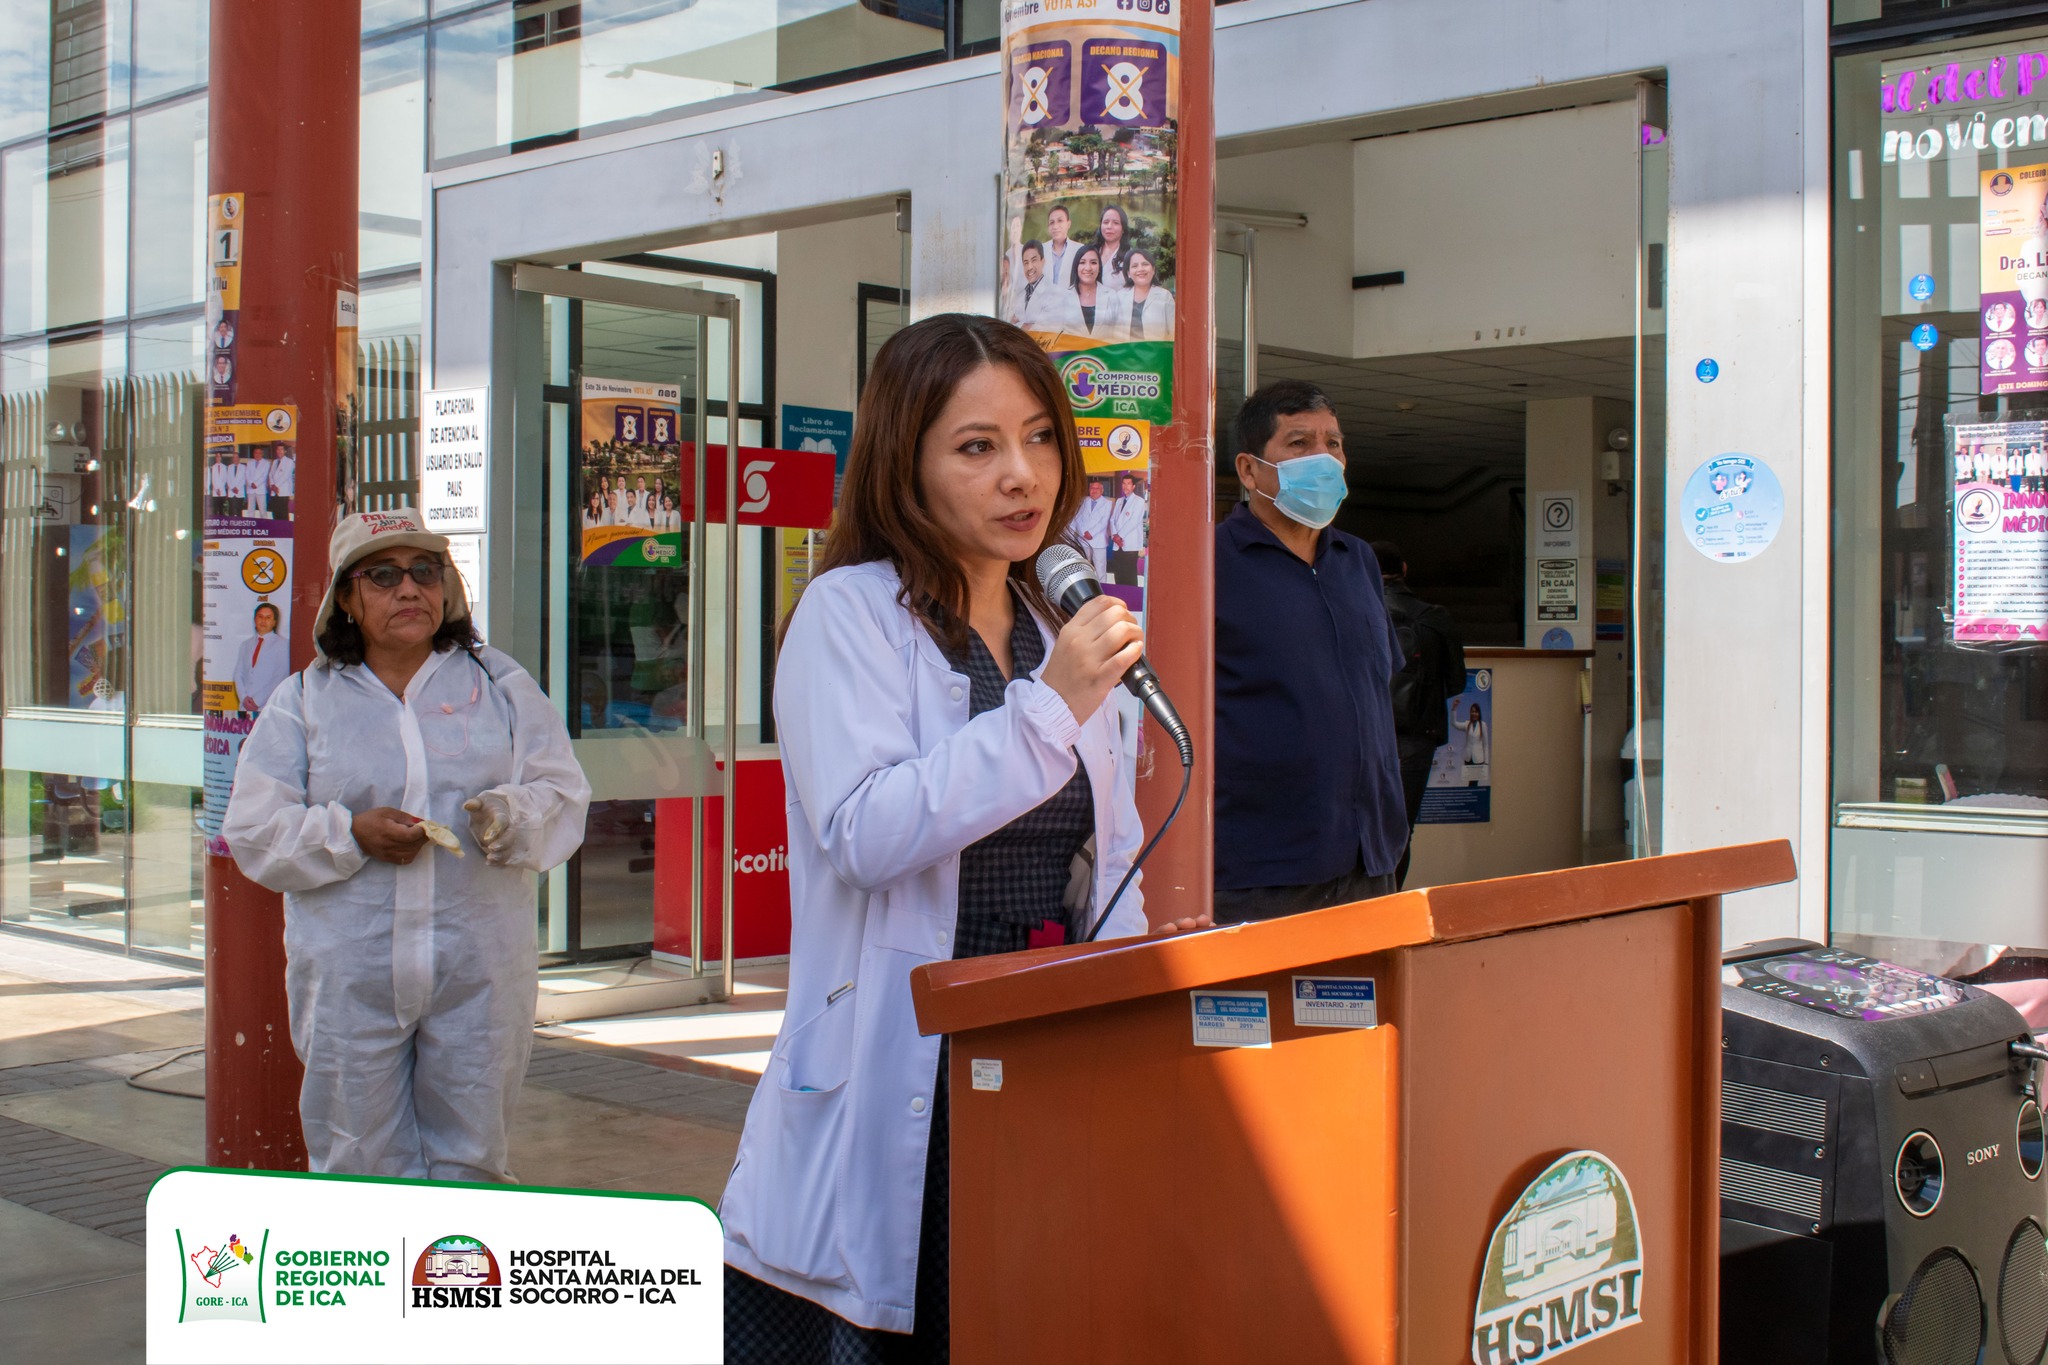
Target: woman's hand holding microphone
[(1090, 655), (1093, 650)]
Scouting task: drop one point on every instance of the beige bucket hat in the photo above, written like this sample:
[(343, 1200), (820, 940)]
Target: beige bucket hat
[(366, 533)]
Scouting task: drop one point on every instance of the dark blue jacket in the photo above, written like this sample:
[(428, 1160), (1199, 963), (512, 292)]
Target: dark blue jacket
[(1308, 776)]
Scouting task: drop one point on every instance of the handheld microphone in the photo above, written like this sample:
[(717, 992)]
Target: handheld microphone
[(1069, 582)]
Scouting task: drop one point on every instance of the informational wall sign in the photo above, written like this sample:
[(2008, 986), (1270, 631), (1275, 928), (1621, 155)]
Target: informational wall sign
[(1732, 508), (1610, 599), (630, 497), (1557, 523), (1557, 589), (455, 460), (1091, 195), (1460, 790), (1113, 522), (1568, 1251), (288, 1267), (1999, 472), (249, 480), (2012, 310)]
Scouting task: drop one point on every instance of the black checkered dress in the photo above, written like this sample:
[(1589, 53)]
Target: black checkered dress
[(1010, 883)]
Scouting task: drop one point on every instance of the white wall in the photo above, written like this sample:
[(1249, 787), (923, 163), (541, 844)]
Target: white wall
[(1304, 274), (1512, 232), (816, 324)]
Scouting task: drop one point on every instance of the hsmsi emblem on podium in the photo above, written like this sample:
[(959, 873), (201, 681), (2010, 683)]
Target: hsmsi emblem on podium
[(1565, 1266)]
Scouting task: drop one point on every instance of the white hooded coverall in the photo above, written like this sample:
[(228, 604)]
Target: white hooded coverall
[(411, 987)]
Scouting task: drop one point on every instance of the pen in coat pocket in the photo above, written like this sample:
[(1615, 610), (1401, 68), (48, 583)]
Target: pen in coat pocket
[(833, 998)]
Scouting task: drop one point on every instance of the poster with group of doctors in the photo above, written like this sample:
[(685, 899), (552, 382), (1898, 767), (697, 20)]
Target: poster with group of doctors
[(631, 465), (1091, 196), (245, 569)]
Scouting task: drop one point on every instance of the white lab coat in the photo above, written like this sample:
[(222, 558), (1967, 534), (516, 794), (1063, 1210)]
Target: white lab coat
[(261, 663), (1090, 527), (259, 485), (411, 988), (1157, 324), (1127, 522), (1050, 308), (887, 781), (283, 474)]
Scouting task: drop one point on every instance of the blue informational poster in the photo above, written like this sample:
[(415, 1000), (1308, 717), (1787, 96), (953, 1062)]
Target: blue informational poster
[(1460, 790), (1733, 506), (824, 429)]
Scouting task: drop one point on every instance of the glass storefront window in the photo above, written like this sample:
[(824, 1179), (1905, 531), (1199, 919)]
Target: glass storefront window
[(170, 207), (1942, 685), (379, 15), (532, 72), (170, 47), (24, 68), (164, 401), (1941, 496), (64, 230), (393, 156)]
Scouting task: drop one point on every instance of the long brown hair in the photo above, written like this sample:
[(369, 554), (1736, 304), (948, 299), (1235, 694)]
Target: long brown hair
[(882, 513)]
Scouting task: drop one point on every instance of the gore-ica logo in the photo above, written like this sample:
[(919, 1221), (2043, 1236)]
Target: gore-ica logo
[(457, 1272), (1984, 1154), (754, 479)]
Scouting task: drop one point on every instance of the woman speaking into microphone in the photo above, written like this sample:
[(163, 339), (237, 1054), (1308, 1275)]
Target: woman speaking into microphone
[(953, 763)]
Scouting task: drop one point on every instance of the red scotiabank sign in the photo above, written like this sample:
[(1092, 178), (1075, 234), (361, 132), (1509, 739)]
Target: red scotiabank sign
[(777, 487)]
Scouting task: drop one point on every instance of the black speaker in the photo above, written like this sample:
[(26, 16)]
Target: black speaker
[(1881, 1151)]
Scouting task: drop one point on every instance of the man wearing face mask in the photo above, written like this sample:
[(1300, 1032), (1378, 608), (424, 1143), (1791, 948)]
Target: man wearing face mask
[(1309, 810)]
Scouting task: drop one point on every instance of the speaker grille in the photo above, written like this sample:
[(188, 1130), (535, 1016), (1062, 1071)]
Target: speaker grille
[(1781, 1191), (2023, 1295), (1775, 1111), (1939, 1319)]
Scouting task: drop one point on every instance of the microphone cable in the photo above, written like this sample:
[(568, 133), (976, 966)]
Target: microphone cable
[(1187, 773)]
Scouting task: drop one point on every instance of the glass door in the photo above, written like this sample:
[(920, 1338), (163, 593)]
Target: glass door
[(640, 642)]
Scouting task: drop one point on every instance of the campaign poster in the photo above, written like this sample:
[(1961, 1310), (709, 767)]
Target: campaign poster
[(2000, 476), (2013, 265), (1091, 196), (223, 295), (245, 568), (1460, 790), (631, 492), (1111, 524)]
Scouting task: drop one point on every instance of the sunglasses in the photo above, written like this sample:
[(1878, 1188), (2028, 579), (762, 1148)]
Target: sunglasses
[(424, 572)]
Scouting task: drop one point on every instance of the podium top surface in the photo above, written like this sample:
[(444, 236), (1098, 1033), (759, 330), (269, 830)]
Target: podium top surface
[(984, 991)]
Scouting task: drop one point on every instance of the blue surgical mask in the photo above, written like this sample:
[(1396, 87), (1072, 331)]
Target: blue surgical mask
[(1312, 488)]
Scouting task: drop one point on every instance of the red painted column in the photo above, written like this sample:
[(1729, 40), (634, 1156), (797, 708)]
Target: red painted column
[(282, 131), (1180, 607)]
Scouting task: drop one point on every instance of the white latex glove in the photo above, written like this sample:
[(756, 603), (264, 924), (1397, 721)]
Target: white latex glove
[(490, 824)]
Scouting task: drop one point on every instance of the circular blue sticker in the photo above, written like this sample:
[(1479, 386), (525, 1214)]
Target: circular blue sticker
[(1921, 287), (1925, 337), (1708, 370), (1733, 506), (1557, 637)]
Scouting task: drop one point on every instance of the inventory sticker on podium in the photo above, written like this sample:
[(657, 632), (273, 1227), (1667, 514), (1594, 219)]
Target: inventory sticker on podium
[(1232, 1019), (1565, 1266), (1335, 1002)]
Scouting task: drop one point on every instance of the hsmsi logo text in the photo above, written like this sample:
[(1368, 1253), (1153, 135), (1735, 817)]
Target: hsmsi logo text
[(1564, 1267), (321, 1278), (566, 1275), (457, 1272)]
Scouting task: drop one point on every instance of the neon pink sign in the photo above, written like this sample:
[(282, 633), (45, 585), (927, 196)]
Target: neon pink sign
[(1936, 87)]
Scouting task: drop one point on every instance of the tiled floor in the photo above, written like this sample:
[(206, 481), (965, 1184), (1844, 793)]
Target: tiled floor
[(647, 1102)]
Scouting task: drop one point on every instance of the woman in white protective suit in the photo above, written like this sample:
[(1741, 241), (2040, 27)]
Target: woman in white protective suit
[(952, 759), (412, 969)]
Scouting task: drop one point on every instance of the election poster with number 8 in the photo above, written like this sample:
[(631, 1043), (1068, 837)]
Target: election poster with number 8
[(630, 498)]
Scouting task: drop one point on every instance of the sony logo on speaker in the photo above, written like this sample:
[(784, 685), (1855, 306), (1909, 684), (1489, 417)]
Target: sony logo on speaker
[(1983, 1154), (1565, 1265)]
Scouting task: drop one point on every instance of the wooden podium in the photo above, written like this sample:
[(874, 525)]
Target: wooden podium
[(1123, 1194)]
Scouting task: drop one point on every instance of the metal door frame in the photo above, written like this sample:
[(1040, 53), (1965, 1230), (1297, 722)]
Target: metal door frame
[(704, 305)]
